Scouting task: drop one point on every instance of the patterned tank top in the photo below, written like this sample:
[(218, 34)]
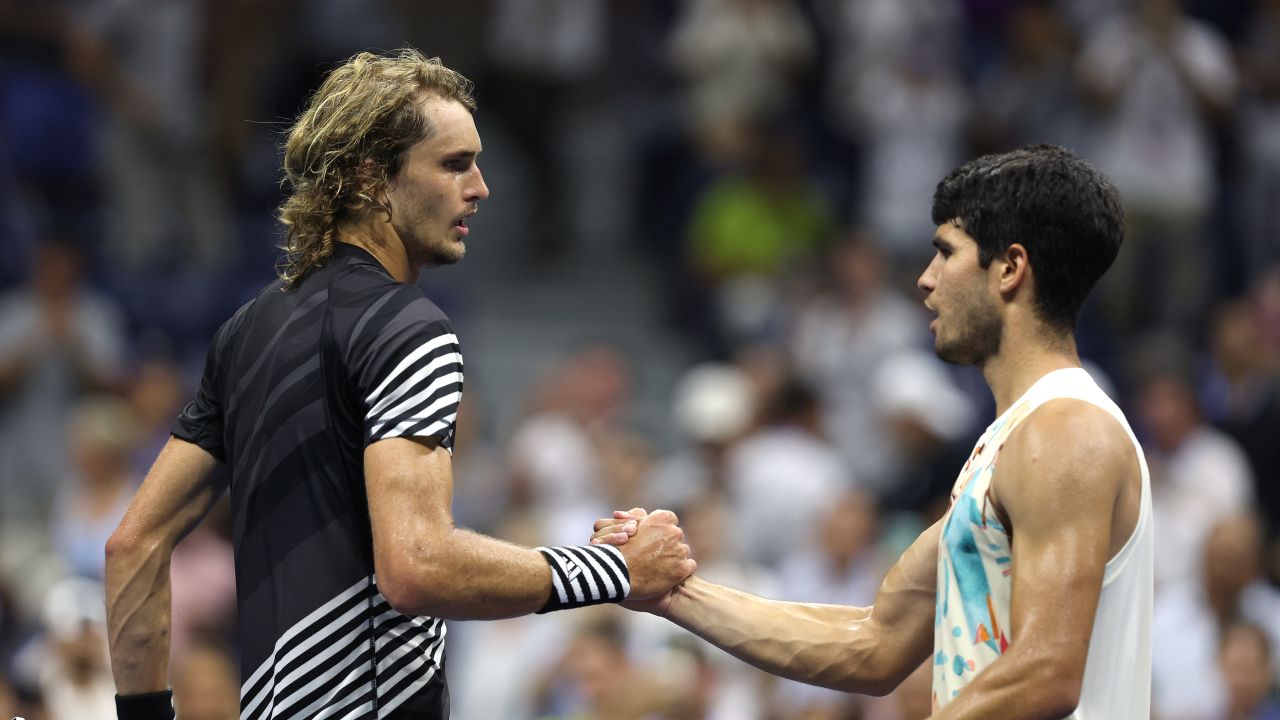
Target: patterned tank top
[(972, 626)]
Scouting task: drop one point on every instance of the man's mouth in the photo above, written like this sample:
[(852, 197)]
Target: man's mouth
[(461, 224)]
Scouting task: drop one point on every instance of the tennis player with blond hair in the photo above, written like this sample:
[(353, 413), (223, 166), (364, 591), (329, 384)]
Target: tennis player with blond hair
[(328, 409)]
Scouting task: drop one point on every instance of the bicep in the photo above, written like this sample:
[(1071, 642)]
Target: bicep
[(903, 614), (1062, 509), (178, 491), (409, 484), (1057, 573)]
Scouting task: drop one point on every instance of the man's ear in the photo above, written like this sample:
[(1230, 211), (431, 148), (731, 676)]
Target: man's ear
[(372, 187), (1014, 268)]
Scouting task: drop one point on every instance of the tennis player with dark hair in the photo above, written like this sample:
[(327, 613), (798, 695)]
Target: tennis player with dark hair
[(1032, 597), (330, 401)]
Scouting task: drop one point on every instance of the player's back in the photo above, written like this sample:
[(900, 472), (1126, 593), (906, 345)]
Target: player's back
[(296, 385)]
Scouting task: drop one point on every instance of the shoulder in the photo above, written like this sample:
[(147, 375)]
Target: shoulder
[(368, 305), (1069, 429), (368, 285), (1067, 452), (231, 326)]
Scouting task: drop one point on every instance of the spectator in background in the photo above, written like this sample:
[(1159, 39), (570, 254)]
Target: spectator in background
[(596, 678), (714, 406), (206, 683), (840, 338), (103, 435), (481, 491), (496, 668), (1199, 475), (1030, 95), (1191, 621), (544, 53), (11, 626), (1242, 397), (72, 663), (1162, 83), (1248, 670), (1259, 132), (554, 454), (751, 228), (913, 115), (58, 340), (729, 688), (897, 93), (1267, 296), (156, 395), (783, 476), (741, 61), (163, 196), (202, 583), (8, 696), (839, 565), (927, 421), (47, 156)]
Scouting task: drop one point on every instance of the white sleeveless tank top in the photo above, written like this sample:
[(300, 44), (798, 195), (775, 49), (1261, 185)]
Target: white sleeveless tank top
[(971, 628)]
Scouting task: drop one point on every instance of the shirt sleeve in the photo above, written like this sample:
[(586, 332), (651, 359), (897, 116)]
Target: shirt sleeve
[(407, 368), (200, 422)]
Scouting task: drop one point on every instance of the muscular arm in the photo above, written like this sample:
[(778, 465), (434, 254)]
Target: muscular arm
[(426, 566), (865, 650), (176, 495), (1060, 498)]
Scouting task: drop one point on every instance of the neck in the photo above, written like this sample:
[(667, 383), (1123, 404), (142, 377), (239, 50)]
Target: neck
[(381, 241), (1022, 361)]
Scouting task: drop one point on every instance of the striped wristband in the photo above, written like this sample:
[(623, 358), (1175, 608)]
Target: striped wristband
[(585, 575)]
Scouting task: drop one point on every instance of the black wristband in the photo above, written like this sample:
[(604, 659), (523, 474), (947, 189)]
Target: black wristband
[(585, 575), (145, 706)]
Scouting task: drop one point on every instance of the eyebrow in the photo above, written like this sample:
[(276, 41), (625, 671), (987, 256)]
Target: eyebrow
[(942, 244), (461, 155)]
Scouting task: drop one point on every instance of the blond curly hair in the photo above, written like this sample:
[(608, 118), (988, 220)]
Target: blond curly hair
[(350, 141)]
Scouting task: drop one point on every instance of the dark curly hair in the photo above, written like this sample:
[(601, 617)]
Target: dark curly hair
[(1063, 210)]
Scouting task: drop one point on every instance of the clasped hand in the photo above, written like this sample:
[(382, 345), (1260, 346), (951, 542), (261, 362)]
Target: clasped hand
[(657, 557)]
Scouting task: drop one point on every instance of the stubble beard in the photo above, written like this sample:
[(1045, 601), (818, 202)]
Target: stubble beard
[(441, 251), (975, 339)]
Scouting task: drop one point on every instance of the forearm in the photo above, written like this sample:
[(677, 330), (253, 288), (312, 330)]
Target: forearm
[(832, 646), (178, 492), (464, 575), (138, 615), (1021, 685)]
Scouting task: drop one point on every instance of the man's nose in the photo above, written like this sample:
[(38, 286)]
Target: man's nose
[(477, 190)]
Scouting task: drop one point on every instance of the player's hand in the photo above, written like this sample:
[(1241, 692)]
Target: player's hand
[(657, 558), (618, 529)]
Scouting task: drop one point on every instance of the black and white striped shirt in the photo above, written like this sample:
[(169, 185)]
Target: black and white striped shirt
[(296, 385)]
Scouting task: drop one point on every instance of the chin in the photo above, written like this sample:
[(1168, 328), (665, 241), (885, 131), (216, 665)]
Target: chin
[(446, 253), (950, 353)]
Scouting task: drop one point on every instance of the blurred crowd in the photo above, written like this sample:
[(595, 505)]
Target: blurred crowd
[(784, 154)]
